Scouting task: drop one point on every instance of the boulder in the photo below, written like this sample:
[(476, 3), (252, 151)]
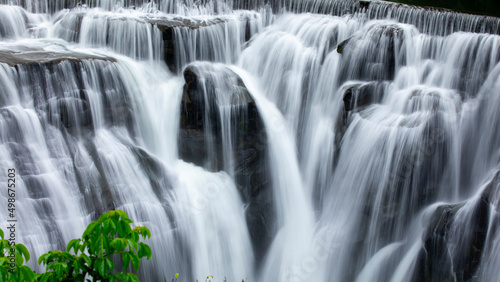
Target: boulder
[(455, 237), (215, 104), (370, 54)]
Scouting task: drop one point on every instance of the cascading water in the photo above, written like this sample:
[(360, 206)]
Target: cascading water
[(256, 140)]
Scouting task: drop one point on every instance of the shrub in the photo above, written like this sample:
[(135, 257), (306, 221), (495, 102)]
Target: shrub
[(109, 237)]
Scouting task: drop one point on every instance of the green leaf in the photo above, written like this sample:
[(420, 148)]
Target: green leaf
[(52, 256), (45, 277), (77, 267), (123, 228), (100, 265), (126, 260), (145, 232), (1, 233), (133, 277), (60, 268), (26, 273), (106, 243), (106, 226), (133, 246), (68, 256), (113, 228), (127, 220), (73, 244), (110, 263), (43, 258), (135, 261), (118, 244), (3, 260), (114, 215), (122, 214), (23, 250), (98, 247), (2, 246), (134, 235), (144, 251), (90, 229), (87, 260), (176, 275), (19, 259)]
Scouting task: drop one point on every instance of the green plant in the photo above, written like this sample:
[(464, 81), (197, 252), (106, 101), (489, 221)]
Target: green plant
[(109, 236), (12, 258)]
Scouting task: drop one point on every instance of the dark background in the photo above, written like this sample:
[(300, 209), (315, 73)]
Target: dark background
[(486, 7)]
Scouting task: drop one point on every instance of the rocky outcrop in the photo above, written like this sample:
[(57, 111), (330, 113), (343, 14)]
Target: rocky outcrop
[(455, 238), (370, 54), (43, 53), (359, 95), (221, 129), (58, 89), (188, 39), (72, 112), (167, 26)]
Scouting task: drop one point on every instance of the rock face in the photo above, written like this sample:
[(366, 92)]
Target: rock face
[(64, 106), (375, 46), (221, 129), (167, 25), (359, 95), (14, 54), (455, 238)]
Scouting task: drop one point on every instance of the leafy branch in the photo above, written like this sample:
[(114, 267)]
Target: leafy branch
[(90, 258)]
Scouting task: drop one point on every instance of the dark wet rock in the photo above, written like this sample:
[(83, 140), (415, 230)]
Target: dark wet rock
[(177, 31), (455, 238), (347, 100), (169, 46), (167, 25), (371, 53), (358, 96), (364, 4), (211, 89), (98, 193), (73, 112), (158, 177), (204, 93), (434, 262), (341, 46), (260, 217)]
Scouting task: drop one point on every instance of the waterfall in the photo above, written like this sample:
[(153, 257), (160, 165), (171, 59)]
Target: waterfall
[(294, 140)]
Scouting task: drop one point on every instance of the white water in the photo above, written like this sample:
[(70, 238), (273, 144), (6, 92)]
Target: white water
[(90, 113)]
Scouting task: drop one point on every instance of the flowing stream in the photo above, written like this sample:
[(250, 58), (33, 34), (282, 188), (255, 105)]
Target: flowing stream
[(295, 140)]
